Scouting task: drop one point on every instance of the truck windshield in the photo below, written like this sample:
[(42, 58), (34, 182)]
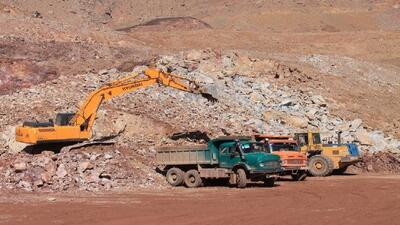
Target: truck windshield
[(252, 147), (284, 147)]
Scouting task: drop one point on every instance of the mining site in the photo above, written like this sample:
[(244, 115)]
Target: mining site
[(199, 112)]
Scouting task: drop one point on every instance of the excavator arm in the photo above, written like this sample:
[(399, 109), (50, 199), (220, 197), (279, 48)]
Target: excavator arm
[(86, 115), (79, 125)]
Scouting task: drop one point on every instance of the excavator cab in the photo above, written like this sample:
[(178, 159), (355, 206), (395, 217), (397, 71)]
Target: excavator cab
[(63, 119)]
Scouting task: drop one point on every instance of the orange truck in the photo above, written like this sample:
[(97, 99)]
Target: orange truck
[(294, 162)]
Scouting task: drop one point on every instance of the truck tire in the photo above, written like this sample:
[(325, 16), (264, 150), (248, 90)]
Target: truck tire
[(175, 176), (299, 176), (241, 178), (269, 182), (320, 166), (193, 179)]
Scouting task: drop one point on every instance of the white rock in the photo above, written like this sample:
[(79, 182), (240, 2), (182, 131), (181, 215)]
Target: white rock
[(19, 167), (83, 166), (108, 156), (9, 138), (355, 124), (378, 141), (61, 171), (51, 199), (363, 137)]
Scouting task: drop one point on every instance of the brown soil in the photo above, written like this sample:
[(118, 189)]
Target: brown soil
[(340, 199)]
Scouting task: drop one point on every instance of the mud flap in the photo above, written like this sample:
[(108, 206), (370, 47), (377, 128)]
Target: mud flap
[(232, 179)]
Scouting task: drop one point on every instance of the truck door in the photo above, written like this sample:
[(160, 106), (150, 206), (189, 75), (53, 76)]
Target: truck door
[(228, 156)]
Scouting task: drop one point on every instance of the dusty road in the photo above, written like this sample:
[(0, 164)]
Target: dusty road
[(335, 200)]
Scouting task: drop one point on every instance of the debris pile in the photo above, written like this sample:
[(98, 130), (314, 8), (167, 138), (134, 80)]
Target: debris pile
[(379, 162), (88, 169)]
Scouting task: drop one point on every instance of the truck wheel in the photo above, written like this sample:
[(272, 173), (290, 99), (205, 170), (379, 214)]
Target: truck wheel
[(175, 176), (320, 166), (193, 179), (241, 178), (299, 176), (269, 182)]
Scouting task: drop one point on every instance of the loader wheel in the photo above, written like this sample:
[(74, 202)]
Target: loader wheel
[(193, 179), (175, 176), (299, 176), (241, 178), (320, 166), (269, 182)]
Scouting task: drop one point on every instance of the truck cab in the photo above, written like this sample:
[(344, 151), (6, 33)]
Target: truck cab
[(294, 162), (237, 159)]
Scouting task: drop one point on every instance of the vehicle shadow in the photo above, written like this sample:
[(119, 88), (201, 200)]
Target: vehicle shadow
[(53, 147), (261, 185), (287, 179), (343, 174), (59, 147), (225, 183)]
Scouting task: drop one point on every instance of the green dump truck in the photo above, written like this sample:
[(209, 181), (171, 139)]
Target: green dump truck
[(238, 160)]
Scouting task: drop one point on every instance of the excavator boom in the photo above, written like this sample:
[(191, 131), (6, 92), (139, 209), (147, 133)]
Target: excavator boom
[(78, 126)]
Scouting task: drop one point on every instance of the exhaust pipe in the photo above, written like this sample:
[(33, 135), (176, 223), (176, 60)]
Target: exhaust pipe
[(339, 138)]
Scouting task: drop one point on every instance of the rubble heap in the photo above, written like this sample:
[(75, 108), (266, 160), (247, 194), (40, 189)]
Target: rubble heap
[(88, 169)]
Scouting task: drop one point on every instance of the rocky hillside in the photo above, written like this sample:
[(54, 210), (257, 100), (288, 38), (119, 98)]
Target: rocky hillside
[(255, 95)]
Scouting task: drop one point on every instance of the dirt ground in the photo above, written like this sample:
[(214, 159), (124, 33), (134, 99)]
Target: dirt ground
[(349, 199)]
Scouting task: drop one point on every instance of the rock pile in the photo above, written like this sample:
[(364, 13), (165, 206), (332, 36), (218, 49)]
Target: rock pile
[(379, 162), (254, 96), (102, 168)]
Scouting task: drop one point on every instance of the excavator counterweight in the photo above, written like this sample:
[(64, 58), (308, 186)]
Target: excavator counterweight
[(76, 127)]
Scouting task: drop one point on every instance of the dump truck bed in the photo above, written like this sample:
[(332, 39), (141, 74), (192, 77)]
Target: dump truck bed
[(185, 155)]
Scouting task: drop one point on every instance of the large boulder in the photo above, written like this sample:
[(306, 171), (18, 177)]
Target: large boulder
[(110, 123), (355, 124), (378, 141), (362, 137), (8, 138), (290, 120)]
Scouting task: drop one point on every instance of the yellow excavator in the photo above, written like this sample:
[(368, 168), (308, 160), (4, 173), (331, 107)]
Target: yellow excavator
[(77, 127)]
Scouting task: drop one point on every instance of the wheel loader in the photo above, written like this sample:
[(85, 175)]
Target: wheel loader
[(77, 127), (323, 159)]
